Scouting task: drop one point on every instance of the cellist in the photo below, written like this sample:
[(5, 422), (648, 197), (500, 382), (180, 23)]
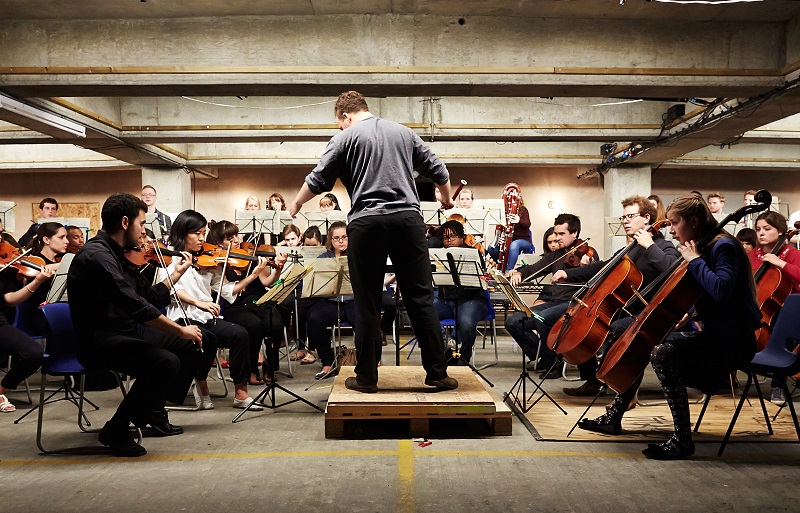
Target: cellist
[(770, 227), (553, 300), (701, 359), (652, 256)]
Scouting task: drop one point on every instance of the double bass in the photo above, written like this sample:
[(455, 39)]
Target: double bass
[(627, 359), (580, 333)]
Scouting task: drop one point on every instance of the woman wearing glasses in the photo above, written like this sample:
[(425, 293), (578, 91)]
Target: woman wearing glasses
[(324, 314), (652, 256)]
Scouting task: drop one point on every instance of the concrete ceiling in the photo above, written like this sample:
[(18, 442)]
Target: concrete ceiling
[(767, 10), (472, 87)]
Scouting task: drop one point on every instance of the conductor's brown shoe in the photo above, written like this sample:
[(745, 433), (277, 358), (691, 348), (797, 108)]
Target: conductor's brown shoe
[(352, 384), (445, 383)]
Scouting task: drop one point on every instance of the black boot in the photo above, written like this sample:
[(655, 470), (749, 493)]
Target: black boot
[(159, 421), (609, 423), (672, 449)]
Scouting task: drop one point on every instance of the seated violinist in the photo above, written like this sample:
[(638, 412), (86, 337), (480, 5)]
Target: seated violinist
[(118, 326), (75, 239), (770, 229), (49, 244), (652, 256), (311, 237), (471, 303), (195, 294), (531, 333), (242, 287), (705, 359)]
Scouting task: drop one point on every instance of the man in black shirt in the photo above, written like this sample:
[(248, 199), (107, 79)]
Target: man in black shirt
[(531, 333), (119, 326), (374, 158)]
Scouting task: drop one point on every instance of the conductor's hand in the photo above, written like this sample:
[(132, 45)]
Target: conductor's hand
[(559, 276), (447, 203), (209, 307), (192, 333), (514, 277), (294, 208)]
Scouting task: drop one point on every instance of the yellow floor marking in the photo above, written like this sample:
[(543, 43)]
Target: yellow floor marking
[(405, 477)]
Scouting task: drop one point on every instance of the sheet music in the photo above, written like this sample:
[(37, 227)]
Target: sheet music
[(281, 289), (432, 213), (151, 223), (258, 221), (307, 255), (504, 286), (324, 219), (7, 216), (58, 285), (330, 277), (468, 267)]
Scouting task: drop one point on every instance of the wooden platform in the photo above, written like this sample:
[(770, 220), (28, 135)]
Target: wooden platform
[(402, 398)]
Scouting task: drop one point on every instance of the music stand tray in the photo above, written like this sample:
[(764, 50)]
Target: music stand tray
[(323, 220), (7, 216)]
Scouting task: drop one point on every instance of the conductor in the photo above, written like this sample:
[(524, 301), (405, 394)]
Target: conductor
[(374, 159)]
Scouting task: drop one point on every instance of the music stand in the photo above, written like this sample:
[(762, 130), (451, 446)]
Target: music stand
[(513, 395), (151, 223), (58, 285), (432, 213), (279, 291), (7, 216), (257, 223), (323, 220), (330, 278), (460, 268)]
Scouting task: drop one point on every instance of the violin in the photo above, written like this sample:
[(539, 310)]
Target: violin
[(238, 259), (772, 289), (580, 333), (678, 291), (579, 250), (146, 253), (26, 266)]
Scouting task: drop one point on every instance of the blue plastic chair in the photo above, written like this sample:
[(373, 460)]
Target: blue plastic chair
[(60, 360), (775, 361), (23, 322)]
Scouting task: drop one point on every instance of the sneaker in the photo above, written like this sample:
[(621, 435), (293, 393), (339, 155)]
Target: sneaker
[(777, 398), (203, 402)]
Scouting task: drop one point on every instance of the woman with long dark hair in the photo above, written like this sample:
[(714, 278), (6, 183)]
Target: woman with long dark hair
[(194, 290)]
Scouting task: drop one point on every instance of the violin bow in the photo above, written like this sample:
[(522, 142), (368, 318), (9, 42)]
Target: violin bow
[(173, 291), (565, 255), (16, 259)]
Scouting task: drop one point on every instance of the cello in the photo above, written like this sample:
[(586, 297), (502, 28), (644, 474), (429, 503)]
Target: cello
[(627, 359), (578, 335), (772, 289)]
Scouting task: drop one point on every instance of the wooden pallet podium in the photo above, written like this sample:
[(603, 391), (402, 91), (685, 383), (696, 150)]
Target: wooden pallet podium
[(403, 396)]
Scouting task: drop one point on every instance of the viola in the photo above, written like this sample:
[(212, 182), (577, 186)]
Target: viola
[(678, 291), (579, 250), (580, 333), (27, 266), (772, 289), (147, 253)]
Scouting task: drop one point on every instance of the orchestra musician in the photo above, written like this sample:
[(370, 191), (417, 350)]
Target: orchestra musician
[(748, 238), (375, 158), (195, 292), (652, 256), (49, 243), (554, 299), (118, 326), (325, 313), (658, 205), (770, 227), (252, 203), (521, 241), (700, 359), (465, 198), (241, 289), (471, 303), (276, 202), (75, 239), (48, 207), (149, 196), (311, 237)]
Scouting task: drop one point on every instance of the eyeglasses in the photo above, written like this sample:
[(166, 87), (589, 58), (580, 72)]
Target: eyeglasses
[(148, 195), (628, 216), (339, 238), (451, 237)]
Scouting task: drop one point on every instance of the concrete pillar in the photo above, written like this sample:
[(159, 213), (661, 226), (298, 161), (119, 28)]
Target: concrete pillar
[(619, 184), (173, 186)]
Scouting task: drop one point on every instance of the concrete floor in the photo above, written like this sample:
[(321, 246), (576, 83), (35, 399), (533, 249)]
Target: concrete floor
[(281, 461)]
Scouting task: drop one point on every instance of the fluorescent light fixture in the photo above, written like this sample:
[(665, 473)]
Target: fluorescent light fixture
[(707, 2), (34, 118)]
